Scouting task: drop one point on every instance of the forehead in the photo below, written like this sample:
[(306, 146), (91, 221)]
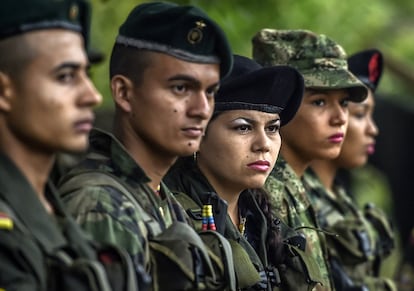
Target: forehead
[(164, 62), (55, 44)]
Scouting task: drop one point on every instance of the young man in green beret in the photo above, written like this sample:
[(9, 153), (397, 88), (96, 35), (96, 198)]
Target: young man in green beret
[(46, 102), (316, 131), (165, 68)]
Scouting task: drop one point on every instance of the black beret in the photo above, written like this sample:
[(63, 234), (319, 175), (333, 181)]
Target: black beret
[(367, 65), (20, 16), (184, 32), (276, 89)]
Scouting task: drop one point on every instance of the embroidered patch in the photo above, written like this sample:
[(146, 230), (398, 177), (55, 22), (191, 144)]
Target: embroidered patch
[(5, 223)]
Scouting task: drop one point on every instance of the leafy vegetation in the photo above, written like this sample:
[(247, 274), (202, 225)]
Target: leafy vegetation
[(355, 24)]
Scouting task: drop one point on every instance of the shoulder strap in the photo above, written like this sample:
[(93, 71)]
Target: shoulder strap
[(102, 178)]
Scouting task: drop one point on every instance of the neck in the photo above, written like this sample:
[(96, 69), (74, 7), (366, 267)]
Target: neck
[(34, 165), (226, 191), (297, 162), (326, 171), (153, 161)]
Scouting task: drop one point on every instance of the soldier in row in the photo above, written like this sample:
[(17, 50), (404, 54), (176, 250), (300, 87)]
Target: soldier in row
[(46, 102)]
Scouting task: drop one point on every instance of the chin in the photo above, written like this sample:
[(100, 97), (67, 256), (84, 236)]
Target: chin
[(77, 147)]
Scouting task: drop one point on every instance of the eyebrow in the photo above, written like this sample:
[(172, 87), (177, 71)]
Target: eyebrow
[(190, 79), (253, 121), (71, 65)]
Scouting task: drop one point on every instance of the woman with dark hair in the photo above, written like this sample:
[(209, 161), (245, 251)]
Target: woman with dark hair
[(220, 187), (364, 238)]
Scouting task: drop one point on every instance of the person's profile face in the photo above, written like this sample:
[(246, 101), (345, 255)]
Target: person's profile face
[(172, 104), (52, 101), (361, 133)]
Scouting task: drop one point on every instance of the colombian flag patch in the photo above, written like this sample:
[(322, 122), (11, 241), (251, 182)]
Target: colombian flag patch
[(5, 223)]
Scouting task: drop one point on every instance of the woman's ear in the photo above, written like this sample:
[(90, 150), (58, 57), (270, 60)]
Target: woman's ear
[(5, 92), (122, 88)]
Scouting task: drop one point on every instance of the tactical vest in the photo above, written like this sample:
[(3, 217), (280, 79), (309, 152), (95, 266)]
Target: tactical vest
[(362, 240), (179, 257), (296, 272)]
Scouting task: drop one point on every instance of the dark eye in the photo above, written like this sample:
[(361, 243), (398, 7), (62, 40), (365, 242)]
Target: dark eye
[(66, 77), (344, 102), (180, 89), (244, 128), (274, 128), (210, 93), (318, 102)]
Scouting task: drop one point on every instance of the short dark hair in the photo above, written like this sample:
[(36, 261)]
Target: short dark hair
[(15, 54), (129, 62)]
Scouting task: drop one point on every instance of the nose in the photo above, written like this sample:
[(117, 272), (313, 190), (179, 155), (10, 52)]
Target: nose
[(261, 142), (340, 115), (372, 128), (201, 106), (90, 95)]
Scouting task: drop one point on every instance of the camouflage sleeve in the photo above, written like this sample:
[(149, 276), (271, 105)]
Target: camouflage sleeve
[(276, 190), (109, 217)]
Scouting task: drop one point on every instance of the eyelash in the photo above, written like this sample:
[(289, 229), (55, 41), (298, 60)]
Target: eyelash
[(66, 77), (245, 128)]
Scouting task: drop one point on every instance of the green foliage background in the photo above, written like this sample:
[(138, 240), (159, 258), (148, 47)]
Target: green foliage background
[(355, 24)]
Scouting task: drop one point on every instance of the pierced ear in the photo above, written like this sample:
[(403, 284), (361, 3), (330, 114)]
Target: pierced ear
[(122, 88), (5, 92)]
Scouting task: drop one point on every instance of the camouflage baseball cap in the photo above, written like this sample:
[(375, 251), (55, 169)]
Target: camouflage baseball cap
[(185, 32), (321, 61)]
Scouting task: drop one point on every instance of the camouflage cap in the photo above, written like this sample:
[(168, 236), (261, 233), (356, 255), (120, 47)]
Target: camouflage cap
[(184, 32), (20, 16), (320, 60)]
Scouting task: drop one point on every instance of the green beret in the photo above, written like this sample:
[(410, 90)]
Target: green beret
[(184, 32), (321, 61), (20, 16)]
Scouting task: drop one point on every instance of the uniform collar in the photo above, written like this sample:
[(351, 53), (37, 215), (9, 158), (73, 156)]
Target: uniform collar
[(22, 199), (106, 144)]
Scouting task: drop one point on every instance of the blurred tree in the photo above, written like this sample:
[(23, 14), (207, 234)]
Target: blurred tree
[(355, 24)]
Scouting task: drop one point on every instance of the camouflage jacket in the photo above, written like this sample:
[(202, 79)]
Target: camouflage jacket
[(109, 216), (354, 251), (292, 205), (186, 181), (33, 242)]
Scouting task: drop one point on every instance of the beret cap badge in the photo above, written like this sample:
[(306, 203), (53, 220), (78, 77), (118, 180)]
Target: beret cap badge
[(195, 35), (73, 12)]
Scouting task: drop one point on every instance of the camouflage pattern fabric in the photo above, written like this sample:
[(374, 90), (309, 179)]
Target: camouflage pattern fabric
[(192, 190), (356, 243), (321, 61), (291, 204), (109, 216)]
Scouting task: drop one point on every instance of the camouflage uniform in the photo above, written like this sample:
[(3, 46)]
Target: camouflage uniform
[(188, 182), (355, 250), (193, 190), (292, 205), (106, 213)]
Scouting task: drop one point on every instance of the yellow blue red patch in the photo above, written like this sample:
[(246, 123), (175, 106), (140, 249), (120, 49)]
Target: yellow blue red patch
[(5, 223)]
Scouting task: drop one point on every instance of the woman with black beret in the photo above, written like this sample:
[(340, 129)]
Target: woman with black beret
[(220, 186)]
